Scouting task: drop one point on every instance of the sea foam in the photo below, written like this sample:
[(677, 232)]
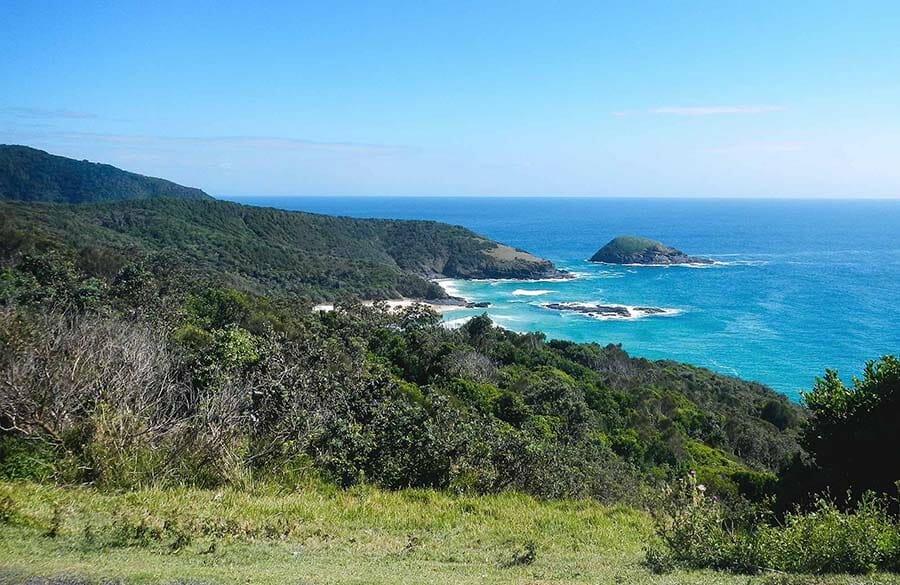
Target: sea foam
[(524, 292), (450, 286)]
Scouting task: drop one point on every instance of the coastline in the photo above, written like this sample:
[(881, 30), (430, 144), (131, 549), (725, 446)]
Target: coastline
[(399, 304), (454, 302)]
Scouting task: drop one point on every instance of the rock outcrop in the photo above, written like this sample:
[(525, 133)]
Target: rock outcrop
[(608, 311)]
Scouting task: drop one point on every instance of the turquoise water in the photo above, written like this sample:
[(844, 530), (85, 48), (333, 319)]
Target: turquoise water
[(802, 285)]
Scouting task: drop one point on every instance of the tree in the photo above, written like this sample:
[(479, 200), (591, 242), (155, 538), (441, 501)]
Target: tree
[(854, 432)]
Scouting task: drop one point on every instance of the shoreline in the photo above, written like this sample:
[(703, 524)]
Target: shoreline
[(398, 304), (455, 300)]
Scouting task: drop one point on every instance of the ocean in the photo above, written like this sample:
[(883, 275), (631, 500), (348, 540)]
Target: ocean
[(800, 285)]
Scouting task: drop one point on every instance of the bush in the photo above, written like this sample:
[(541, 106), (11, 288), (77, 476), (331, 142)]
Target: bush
[(827, 540), (696, 531), (27, 458), (692, 528), (853, 432)]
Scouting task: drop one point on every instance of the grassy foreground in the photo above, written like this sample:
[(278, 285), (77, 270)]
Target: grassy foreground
[(324, 535)]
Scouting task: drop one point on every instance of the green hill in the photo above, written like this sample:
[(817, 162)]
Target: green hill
[(29, 174), (270, 251)]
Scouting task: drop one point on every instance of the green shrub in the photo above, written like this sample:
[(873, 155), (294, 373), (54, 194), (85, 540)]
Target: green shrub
[(691, 526), (24, 458), (827, 540), (853, 433), (7, 508), (481, 396), (696, 531), (176, 380), (658, 559)]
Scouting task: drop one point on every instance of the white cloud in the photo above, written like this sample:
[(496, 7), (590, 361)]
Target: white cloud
[(761, 146), (702, 110), (46, 114), (261, 143), (714, 110)]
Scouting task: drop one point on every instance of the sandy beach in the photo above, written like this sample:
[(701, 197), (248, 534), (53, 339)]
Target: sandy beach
[(439, 305)]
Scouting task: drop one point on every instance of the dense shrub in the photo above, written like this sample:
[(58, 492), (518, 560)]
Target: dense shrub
[(698, 531), (852, 434), (27, 458), (162, 378), (829, 540)]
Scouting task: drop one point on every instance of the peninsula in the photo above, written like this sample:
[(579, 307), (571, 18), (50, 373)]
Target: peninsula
[(124, 216)]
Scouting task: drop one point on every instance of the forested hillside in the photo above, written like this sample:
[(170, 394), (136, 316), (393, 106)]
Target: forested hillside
[(29, 174), (268, 251)]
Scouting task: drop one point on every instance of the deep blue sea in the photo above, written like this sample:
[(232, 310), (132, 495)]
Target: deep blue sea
[(802, 285)]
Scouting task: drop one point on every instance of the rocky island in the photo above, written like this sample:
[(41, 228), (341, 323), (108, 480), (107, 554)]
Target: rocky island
[(635, 250)]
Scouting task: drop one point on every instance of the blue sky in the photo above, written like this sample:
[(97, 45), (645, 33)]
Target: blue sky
[(727, 99)]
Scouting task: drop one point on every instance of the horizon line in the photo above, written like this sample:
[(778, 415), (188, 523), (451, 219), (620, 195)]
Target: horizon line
[(674, 197)]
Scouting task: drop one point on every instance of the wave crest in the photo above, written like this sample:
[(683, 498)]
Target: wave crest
[(524, 292)]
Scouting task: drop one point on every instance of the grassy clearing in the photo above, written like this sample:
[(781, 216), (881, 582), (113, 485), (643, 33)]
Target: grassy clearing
[(322, 535)]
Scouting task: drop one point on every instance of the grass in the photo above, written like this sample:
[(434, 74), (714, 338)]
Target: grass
[(323, 535)]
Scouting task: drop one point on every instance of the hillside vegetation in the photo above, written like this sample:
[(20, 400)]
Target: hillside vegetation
[(366, 393), (29, 174), (268, 251), (632, 245)]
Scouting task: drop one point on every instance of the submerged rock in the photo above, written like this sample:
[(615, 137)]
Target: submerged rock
[(607, 311)]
